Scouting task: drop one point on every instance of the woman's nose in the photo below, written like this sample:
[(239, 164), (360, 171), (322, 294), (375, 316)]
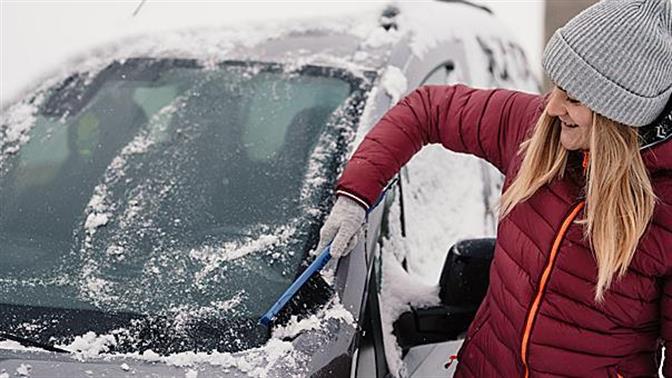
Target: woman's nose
[(555, 106)]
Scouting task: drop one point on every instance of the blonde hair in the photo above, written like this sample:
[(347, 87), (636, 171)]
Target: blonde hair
[(619, 196)]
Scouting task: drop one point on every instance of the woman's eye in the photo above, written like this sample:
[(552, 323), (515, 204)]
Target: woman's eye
[(573, 101)]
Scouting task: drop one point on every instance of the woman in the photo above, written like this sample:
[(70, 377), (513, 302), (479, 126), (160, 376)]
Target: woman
[(581, 280)]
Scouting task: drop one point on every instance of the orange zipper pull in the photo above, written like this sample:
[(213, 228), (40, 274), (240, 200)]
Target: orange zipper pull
[(586, 160), (452, 358)]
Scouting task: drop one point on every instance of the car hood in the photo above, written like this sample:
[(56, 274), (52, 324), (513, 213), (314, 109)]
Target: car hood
[(300, 348)]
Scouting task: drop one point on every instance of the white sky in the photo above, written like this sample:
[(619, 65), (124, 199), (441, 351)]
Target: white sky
[(36, 36)]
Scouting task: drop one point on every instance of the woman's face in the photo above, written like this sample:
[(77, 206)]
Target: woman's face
[(576, 120)]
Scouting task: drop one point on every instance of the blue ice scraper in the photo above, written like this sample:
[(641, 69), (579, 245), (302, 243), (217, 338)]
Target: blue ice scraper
[(319, 263)]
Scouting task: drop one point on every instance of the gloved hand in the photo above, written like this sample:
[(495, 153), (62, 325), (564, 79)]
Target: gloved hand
[(344, 225)]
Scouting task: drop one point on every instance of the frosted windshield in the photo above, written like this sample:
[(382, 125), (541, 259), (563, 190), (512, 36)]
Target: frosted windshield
[(167, 189)]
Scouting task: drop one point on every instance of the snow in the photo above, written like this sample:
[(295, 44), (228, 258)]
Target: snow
[(315, 178), (426, 28), (101, 210), (90, 345), (399, 291), (95, 220), (106, 22), (115, 251), (23, 23), (394, 83), (98, 214), (508, 14), (4, 375), (24, 370), (13, 345), (277, 355), (190, 373), (207, 46), (182, 315), (380, 37), (257, 362), (20, 116), (212, 257), (15, 123), (294, 327), (454, 197), (215, 43)]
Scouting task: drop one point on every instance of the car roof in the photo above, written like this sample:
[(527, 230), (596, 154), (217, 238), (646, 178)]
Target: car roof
[(354, 41), (317, 47), (357, 42)]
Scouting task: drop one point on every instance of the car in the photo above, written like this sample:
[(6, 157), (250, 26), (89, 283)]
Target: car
[(161, 193)]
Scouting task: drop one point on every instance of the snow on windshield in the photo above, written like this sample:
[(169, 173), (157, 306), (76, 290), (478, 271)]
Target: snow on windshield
[(121, 218), (15, 124), (123, 205)]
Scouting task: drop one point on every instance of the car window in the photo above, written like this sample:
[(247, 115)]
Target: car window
[(168, 191), (458, 183)]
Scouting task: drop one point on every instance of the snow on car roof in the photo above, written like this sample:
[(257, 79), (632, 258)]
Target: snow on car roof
[(346, 40), (356, 42)]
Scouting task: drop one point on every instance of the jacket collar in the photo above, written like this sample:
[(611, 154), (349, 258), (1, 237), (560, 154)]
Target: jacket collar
[(656, 159), (657, 142), (659, 157)]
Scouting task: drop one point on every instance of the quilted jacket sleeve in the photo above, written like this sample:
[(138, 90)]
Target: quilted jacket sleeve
[(489, 123)]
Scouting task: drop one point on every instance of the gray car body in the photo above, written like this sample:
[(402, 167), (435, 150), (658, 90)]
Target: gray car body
[(334, 348)]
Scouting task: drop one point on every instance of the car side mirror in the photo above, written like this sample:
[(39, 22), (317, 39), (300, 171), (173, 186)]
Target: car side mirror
[(465, 276), (463, 284)]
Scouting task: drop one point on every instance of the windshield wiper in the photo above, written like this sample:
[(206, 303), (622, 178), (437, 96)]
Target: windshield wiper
[(32, 343)]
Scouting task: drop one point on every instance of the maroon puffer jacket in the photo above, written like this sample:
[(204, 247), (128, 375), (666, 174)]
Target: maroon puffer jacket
[(538, 318)]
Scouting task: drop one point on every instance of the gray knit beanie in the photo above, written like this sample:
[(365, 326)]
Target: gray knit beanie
[(616, 58)]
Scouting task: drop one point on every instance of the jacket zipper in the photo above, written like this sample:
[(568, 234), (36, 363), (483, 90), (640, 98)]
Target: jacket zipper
[(534, 308)]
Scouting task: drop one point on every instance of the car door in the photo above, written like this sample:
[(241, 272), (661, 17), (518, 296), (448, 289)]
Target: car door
[(442, 197), (447, 196)]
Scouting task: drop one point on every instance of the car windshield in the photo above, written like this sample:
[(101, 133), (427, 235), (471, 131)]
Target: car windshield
[(169, 202)]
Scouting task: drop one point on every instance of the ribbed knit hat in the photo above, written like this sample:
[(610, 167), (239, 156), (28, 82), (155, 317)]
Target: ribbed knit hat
[(616, 58)]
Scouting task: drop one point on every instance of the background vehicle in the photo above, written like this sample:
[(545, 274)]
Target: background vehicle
[(163, 199)]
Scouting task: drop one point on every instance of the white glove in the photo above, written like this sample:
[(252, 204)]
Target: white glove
[(344, 225)]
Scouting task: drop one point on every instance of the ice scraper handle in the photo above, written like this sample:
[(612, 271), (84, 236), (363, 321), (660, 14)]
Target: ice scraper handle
[(320, 261)]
